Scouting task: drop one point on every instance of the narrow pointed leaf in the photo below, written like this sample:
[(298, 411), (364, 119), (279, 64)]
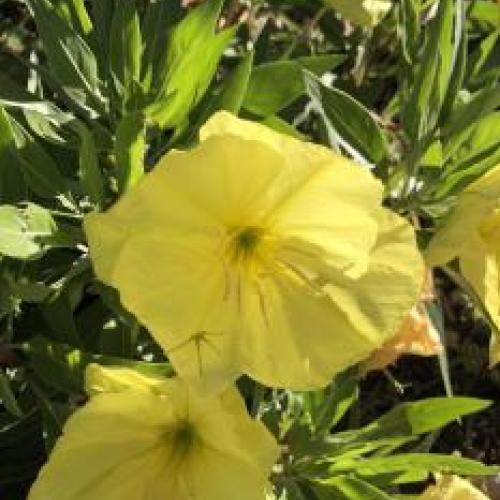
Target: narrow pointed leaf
[(275, 85), (129, 150)]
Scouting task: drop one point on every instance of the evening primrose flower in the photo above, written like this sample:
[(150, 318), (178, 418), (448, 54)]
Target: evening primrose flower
[(261, 254), (452, 488), (363, 12), (471, 234), (146, 438)]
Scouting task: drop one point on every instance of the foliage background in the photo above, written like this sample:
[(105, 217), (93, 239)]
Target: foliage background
[(417, 97)]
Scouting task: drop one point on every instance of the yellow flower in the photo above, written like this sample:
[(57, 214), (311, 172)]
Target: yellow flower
[(452, 488), (471, 234), (258, 253), (144, 438), (363, 12)]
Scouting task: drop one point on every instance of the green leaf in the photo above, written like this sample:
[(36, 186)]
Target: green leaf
[(229, 96), (486, 11), (476, 154), (102, 13), (198, 26), (192, 58), (433, 156), (58, 365), (282, 126), (12, 94), (334, 402), (129, 150), (90, 173), (400, 425), (458, 74), (62, 366), (76, 15), (159, 18), (484, 139), (29, 291), (234, 87), (43, 117), (423, 462), (54, 414), (70, 58), (39, 169), (24, 231), (12, 185), (348, 488), (482, 53), (22, 451), (482, 103), (111, 298), (43, 126), (7, 298), (275, 85), (413, 419), (428, 91), (409, 29), (59, 310), (7, 397), (125, 47), (348, 117)]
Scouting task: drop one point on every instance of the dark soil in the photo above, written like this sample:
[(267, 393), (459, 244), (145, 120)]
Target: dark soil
[(467, 338)]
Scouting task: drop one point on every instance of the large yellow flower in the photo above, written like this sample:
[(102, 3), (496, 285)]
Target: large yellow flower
[(258, 253), (363, 12), (471, 234), (142, 438)]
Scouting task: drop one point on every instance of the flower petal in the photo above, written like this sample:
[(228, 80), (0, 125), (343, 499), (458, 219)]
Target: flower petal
[(214, 475), (204, 190), (332, 209), (479, 265), (100, 379), (182, 302), (327, 199), (453, 235), (124, 445), (321, 329), (475, 203), (452, 488), (379, 300), (111, 430), (299, 154), (315, 339)]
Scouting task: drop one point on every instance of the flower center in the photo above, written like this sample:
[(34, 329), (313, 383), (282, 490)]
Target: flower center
[(182, 437), (245, 241)]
